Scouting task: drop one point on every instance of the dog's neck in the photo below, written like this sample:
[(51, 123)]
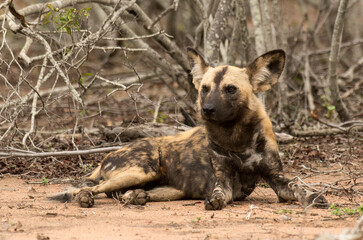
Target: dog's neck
[(234, 136)]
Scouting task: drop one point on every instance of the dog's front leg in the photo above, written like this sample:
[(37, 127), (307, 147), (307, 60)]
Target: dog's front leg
[(223, 190), (284, 188)]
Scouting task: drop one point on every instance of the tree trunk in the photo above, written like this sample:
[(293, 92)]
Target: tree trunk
[(266, 24), (334, 52), (259, 35), (257, 24), (215, 32), (240, 35)]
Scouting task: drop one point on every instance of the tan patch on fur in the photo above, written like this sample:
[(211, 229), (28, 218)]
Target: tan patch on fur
[(121, 178), (166, 193)]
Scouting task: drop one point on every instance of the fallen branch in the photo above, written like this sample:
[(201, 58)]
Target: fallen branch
[(353, 124), (14, 153), (320, 132)]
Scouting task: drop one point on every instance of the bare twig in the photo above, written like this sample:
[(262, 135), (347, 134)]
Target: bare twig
[(172, 7), (34, 111), (156, 111), (23, 53), (343, 45), (248, 216), (137, 37), (307, 84)]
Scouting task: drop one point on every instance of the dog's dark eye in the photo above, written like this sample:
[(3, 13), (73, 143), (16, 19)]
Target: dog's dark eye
[(205, 89), (231, 89)]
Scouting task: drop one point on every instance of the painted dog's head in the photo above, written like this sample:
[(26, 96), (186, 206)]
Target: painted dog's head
[(226, 92)]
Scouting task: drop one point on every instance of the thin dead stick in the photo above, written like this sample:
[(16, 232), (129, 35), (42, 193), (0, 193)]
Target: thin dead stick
[(343, 45), (331, 185), (351, 123), (173, 6), (34, 103), (23, 53), (356, 87), (326, 123), (137, 37), (307, 83), (305, 184), (350, 72), (120, 48), (318, 171), (250, 211), (57, 154), (4, 4), (157, 107), (314, 201)]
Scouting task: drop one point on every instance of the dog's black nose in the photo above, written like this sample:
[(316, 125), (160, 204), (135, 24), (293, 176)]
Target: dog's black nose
[(209, 109)]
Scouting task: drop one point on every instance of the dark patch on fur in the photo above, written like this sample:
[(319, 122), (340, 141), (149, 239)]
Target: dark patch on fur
[(219, 76), (270, 164), (260, 144), (131, 156), (274, 66)]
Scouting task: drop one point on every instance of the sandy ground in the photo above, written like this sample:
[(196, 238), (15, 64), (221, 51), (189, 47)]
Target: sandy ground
[(27, 214)]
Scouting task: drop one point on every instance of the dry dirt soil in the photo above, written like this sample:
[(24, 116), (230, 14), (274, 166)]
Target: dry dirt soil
[(27, 214)]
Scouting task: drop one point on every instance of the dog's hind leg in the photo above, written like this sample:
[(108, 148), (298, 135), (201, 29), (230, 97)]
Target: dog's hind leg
[(158, 194), (116, 181), (165, 193)]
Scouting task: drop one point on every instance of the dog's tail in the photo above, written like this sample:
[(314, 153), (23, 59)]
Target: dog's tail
[(63, 197), (68, 195)]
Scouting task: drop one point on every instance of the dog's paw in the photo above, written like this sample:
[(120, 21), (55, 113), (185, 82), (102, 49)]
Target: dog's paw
[(136, 197), (316, 200), (215, 202), (308, 198), (85, 199)]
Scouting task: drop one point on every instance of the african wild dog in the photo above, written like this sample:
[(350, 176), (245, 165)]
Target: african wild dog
[(220, 161)]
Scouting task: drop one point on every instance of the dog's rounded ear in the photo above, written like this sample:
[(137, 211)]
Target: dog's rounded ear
[(198, 66), (266, 70)]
